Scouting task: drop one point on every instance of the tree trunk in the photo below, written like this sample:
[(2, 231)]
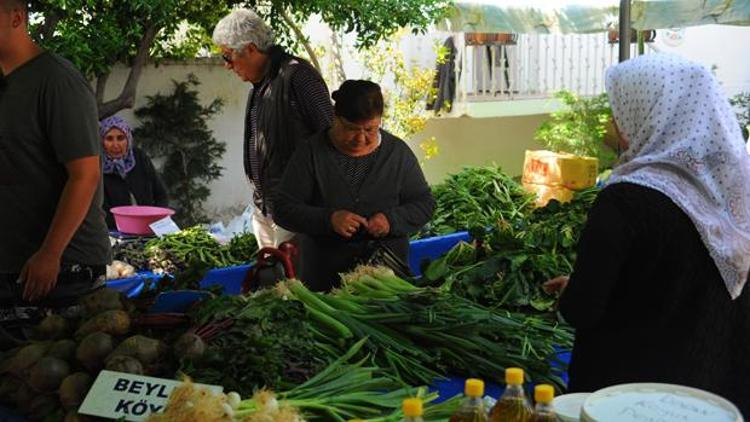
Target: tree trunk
[(301, 37), (126, 99), (338, 61)]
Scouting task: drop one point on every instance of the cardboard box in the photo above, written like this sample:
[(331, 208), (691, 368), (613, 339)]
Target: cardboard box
[(560, 169), (545, 193)]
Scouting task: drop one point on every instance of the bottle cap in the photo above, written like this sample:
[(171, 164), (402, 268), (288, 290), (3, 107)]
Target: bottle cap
[(474, 387), (514, 376), (544, 393), (412, 407)]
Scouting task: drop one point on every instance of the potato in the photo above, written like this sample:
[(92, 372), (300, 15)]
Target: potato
[(27, 357), (116, 323), (147, 350), (93, 350), (63, 349), (126, 364), (48, 373), (102, 300), (53, 327), (74, 389)]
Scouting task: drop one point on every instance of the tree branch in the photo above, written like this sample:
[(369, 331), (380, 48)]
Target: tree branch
[(301, 37), (126, 99), (101, 85), (337, 57)]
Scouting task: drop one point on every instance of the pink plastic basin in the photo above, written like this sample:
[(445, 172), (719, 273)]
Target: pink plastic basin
[(134, 219)]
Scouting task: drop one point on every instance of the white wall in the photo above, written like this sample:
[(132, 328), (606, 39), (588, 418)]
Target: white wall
[(723, 46), (231, 193)]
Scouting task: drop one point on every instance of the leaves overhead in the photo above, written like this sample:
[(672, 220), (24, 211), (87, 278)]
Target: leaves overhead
[(97, 34)]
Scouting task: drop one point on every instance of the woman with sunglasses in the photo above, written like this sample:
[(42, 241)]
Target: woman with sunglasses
[(349, 185)]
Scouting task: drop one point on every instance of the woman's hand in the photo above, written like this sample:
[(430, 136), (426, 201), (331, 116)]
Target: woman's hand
[(556, 286), (378, 225), (346, 223)]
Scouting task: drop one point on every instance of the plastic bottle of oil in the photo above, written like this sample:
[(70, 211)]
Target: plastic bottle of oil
[(543, 396), (512, 405), (472, 409), (412, 409)]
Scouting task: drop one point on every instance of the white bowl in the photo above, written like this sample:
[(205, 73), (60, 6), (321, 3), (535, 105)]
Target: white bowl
[(662, 402), (568, 406)]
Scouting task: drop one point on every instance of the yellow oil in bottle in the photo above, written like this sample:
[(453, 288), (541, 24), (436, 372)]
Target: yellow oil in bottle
[(472, 409), (544, 394), (512, 405)]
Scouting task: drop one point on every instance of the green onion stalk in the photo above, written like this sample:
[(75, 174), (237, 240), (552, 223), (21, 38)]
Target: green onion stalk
[(344, 391), (421, 334)]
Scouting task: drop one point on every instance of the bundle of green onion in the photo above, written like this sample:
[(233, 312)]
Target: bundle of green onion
[(344, 391), (424, 333)]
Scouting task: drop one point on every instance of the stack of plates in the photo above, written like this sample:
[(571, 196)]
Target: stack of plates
[(646, 402)]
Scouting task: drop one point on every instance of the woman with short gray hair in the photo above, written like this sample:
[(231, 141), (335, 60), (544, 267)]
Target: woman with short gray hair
[(288, 102)]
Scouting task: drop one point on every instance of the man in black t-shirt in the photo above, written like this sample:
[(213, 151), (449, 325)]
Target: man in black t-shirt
[(53, 239)]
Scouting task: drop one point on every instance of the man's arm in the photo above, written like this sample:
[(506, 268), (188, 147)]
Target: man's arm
[(313, 99), (40, 272)]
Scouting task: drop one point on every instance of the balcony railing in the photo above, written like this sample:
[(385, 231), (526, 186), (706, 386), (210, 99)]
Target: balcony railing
[(534, 66)]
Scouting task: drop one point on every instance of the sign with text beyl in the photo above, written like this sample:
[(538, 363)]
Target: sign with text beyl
[(117, 395)]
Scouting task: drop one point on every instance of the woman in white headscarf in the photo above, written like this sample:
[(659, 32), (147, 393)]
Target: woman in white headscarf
[(656, 294)]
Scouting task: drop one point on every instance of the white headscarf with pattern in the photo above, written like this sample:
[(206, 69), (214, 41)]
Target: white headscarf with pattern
[(685, 142)]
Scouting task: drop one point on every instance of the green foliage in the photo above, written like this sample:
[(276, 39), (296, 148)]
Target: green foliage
[(741, 103), (580, 128), (97, 34), (174, 129), (405, 102), (371, 20), (476, 197)]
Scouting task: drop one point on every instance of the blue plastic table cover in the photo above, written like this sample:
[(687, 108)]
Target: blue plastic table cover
[(231, 278)]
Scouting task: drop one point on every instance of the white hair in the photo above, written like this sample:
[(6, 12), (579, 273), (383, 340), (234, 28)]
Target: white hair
[(242, 27)]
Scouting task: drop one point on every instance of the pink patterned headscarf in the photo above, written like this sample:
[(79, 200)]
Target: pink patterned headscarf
[(684, 141)]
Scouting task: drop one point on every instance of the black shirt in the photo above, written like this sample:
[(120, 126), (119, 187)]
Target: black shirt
[(648, 303), (314, 186), (142, 183), (48, 118)]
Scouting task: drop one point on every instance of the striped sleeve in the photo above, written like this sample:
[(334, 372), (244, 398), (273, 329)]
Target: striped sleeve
[(312, 98)]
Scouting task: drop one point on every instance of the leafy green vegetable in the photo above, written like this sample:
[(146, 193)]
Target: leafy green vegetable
[(269, 345), (516, 259), (476, 197)]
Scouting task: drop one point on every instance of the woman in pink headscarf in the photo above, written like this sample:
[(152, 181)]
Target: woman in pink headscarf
[(129, 176), (657, 293)]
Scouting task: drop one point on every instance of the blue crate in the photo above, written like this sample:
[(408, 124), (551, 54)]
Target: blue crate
[(432, 248), (132, 286), (230, 278), (449, 387)]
